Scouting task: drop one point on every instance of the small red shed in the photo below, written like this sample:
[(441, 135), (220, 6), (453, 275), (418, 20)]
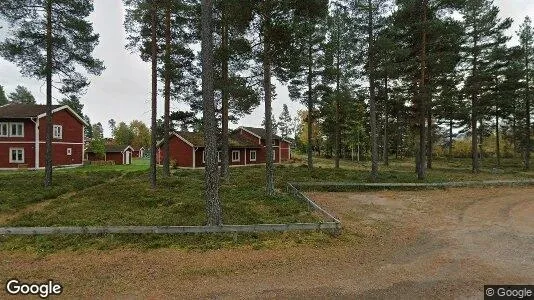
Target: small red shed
[(119, 154)]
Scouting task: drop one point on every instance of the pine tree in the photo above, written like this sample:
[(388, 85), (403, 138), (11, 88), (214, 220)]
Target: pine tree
[(213, 205), (526, 39), (175, 32), (21, 95), (284, 122), (51, 38), (341, 59), (112, 125), (427, 56), (74, 103), (154, 93), (237, 96), (370, 14), (483, 31), (309, 31), (3, 98), (88, 130), (97, 131), (371, 75), (275, 33)]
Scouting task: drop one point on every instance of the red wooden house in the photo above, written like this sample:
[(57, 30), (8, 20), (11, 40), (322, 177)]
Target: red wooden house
[(23, 136), (120, 155), (247, 147), (140, 152)]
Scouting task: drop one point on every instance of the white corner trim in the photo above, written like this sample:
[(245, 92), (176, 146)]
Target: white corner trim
[(37, 144), (70, 110), (243, 128), (183, 139)]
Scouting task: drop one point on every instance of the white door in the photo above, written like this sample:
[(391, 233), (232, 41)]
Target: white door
[(128, 157)]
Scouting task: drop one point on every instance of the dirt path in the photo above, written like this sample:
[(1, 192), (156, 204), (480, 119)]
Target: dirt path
[(408, 245), (5, 218)]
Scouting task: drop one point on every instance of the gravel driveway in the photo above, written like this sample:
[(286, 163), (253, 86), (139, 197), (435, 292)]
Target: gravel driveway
[(408, 245)]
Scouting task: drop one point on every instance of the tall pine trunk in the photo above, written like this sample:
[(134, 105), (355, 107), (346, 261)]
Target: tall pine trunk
[(528, 129), (372, 100), (310, 106), (269, 166), (474, 112), (166, 121), (213, 205), (225, 160), (430, 149), (338, 99), (497, 139), (450, 137), (154, 62), (49, 67), (423, 92), (386, 123)]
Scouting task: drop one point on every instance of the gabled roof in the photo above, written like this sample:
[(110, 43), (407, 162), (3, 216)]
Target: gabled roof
[(110, 148), (27, 111), (23, 111), (261, 133), (196, 139)]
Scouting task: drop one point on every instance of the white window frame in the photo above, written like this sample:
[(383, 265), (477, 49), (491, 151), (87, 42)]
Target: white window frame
[(69, 151), (17, 161), (60, 135), (274, 155), (238, 155), (16, 124), (255, 155), (4, 127), (204, 156), (274, 142)]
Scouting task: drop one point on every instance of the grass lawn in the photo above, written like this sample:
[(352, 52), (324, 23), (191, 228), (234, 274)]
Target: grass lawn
[(121, 195)]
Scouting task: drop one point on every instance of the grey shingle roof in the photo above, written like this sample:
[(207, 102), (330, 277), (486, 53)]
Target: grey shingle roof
[(260, 132), (23, 111), (197, 139), (110, 148)]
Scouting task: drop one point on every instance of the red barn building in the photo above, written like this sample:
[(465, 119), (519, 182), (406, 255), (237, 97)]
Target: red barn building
[(120, 155), (23, 136), (139, 152), (246, 147)]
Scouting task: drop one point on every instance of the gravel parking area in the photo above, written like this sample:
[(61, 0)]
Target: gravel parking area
[(395, 244)]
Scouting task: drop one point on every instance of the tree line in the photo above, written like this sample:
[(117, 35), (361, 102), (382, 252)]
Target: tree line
[(391, 75)]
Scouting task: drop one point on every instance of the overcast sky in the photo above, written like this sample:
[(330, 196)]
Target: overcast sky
[(122, 92)]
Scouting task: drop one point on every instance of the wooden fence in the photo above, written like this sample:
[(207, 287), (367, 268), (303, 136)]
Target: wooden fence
[(333, 226), (329, 226), (408, 185), (296, 193)]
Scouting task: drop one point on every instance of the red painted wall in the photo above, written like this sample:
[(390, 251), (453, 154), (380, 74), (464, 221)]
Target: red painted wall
[(180, 152), (72, 138), (29, 131), (72, 128), (249, 136), (115, 156), (282, 153), (29, 154), (285, 149), (59, 154)]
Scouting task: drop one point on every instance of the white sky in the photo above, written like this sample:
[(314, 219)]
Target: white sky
[(122, 92)]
